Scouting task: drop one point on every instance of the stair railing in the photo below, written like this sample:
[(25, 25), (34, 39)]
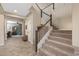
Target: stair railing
[(39, 28)]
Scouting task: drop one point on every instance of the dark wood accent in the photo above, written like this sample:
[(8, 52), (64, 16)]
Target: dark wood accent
[(45, 24), (38, 6), (51, 20), (54, 27), (47, 6), (45, 13), (36, 41), (53, 6), (41, 13), (38, 29), (41, 10)]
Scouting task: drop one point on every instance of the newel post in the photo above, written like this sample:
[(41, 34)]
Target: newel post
[(41, 13), (51, 20), (36, 41)]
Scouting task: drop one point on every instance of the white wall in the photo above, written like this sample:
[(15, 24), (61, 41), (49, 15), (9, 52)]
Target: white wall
[(32, 21), (75, 19), (30, 28), (26, 23), (2, 24), (64, 23)]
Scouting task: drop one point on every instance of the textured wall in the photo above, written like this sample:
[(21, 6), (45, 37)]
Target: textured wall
[(64, 23), (2, 23), (30, 28), (75, 19)]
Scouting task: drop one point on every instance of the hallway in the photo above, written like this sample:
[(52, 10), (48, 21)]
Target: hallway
[(16, 47)]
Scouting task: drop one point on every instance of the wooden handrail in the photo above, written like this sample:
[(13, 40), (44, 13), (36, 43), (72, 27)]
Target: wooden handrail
[(37, 40), (44, 25), (53, 6), (45, 13), (47, 6), (50, 5), (46, 22), (38, 6), (41, 10), (50, 20), (41, 13)]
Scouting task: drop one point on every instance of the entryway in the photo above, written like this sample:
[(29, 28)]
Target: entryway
[(13, 28), (13, 44)]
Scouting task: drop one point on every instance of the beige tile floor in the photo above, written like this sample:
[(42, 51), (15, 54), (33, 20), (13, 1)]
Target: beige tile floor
[(16, 47)]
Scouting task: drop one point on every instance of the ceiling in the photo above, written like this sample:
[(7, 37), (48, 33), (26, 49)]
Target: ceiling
[(21, 9), (61, 9)]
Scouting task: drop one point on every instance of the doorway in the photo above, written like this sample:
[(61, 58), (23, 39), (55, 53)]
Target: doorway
[(13, 28)]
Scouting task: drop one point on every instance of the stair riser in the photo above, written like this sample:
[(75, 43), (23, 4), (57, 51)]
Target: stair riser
[(62, 35), (60, 40), (53, 51), (67, 32), (62, 47)]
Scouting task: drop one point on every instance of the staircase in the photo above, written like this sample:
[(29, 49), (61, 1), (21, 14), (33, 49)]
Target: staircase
[(59, 43)]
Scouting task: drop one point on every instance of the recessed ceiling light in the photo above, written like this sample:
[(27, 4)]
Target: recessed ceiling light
[(15, 11)]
